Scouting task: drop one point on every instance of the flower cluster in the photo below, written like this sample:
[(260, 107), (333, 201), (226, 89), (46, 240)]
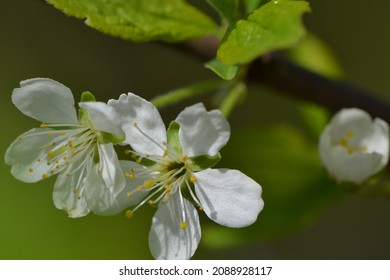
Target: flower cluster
[(170, 168)]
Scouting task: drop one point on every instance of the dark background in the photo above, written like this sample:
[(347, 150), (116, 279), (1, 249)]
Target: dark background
[(36, 40)]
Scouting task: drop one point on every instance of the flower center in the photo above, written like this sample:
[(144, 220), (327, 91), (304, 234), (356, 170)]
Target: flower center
[(63, 147), (347, 142), (169, 176)]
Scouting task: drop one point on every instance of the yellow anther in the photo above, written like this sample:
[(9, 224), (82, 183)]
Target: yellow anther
[(48, 144), (184, 225), (50, 134), (38, 159), (129, 214), (131, 176), (127, 174), (65, 158), (51, 172), (20, 137), (67, 174), (164, 201), (129, 194), (168, 188), (148, 184), (168, 180), (72, 152), (51, 154), (62, 133), (58, 166), (127, 152), (165, 153), (350, 149), (78, 197), (184, 157), (48, 163), (344, 142), (193, 179), (44, 176), (30, 170), (349, 133), (40, 148), (70, 143), (135, 124), (139, 188), (54, 143), (43, 125), (151, 202), (133, 156), (74, 190), (201, 208)]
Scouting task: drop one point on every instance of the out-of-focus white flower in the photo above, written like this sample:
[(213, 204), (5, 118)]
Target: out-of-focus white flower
[(353, 146), (172, 170), (66, 144)]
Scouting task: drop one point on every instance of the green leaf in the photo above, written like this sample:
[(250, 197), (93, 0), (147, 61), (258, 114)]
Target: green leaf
[(275, 25), (313, 54), (173, 137), (203, 162), (296, 188), (227, 8), (140, 20), (226, 72)]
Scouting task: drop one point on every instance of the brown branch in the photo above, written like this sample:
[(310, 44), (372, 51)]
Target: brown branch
[(295, 81)]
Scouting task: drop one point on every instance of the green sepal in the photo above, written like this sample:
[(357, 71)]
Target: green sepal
[(173, 137), (226, 72), (106, 137), (87, 96), (203, 162)]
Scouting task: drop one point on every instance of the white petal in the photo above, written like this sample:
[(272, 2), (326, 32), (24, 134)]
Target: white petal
[(202, 132), (103, 117), (378, 139), (142, 124), (229, 197), (68, 193), (28, 161), (355, 167), (112, 173), (102, 201), (167, 240), (45, 100)]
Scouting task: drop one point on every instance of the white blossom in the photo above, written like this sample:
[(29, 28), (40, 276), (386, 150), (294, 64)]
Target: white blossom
[(353, 146), (65, 144), (172, 170)]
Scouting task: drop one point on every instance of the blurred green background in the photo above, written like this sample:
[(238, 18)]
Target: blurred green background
[(305, 217)]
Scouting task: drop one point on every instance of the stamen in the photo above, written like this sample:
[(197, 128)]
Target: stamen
[(148, 184), (349, 133), (184, 225), (30, 170), (129, 214), (20, 137), (193, 179), (43, 125), (148, 137), (44, 176)]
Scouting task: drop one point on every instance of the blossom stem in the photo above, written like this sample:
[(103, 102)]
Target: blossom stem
[(232, 98), (180, 94)]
